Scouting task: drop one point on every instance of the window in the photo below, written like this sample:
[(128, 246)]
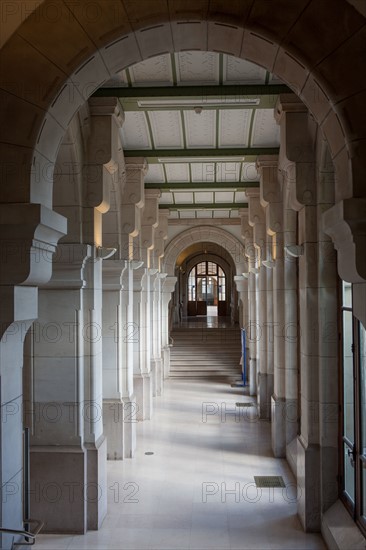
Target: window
[(207, 282), (353, 419)]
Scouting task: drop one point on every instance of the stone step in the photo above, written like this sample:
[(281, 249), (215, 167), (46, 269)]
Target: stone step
[(206, 353)]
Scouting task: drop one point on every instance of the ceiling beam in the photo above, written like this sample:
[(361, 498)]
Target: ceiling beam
[(240, 91), (204, 221), (211, 206), (154, 154), (206, 186)]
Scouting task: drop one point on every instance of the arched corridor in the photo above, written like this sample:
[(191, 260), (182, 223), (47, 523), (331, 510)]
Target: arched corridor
[(197, 490), (140, 141)]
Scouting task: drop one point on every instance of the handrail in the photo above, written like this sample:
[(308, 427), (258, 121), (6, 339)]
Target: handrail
[(25, 534)]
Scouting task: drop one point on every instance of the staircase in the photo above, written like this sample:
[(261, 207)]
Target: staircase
[(206, 353)]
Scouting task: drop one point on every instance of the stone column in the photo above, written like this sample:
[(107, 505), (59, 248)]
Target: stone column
[(257, 220), (271, 199), (113, 336), (241, 282), (149, 223), (130, 329), (167, 292), (71, 451), (328, 311), (28, 237), (141, 345), (120, 408), (251, 328), (298, 138), (161, 233)]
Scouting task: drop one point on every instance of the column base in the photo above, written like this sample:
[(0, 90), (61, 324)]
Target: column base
[(265, 390), (278, 425), (166, 361), (153, 377), (96, 492), (130, 421), (157, 376), (292, 420), (308, 483), (57, 489), (113, 427), (143, 395), (252, 376)]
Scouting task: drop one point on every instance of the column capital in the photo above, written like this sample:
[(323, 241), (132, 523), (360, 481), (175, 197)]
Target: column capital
[(152, 194), (271, 193), (28, 237), (68, 266), (112, 273), (255, 210), (345, 223), (162, 229), (136, 163), (149, 222), (241, 283), (139, 276), (252, 192), (169, 284), (299, 133), (106, 106), (288, 103)]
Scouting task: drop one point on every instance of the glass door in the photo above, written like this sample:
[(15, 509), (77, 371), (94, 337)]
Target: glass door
[(353, 418), (207, 290), (348, 409), (361, 470)]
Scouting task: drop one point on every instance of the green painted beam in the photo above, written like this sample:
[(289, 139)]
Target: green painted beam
[(154, 154), (239, 91), (211, 206), (207, 186)]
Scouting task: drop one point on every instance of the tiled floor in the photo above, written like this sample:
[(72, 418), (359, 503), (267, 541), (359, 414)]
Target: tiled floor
[(197, 490)]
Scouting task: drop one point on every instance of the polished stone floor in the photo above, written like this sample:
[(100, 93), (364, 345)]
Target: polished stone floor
[(197, 491)]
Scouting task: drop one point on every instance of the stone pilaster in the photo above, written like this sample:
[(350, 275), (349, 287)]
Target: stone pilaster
[(28, 237), (129, 332), (328, 344), (257, 220), (149, 223), (168, 287), (251, 328), (64, 413), (113, 341), (142, 345), (131, 209), (271, 200)]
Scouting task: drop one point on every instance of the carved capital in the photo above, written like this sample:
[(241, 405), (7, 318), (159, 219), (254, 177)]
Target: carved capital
[(345, 223), (28, 237)]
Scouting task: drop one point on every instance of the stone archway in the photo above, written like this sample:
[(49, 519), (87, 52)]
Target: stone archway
[(45, 84), (231, 245)]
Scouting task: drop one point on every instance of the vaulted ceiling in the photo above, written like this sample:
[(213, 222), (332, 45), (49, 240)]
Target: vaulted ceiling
[(200, 119)]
